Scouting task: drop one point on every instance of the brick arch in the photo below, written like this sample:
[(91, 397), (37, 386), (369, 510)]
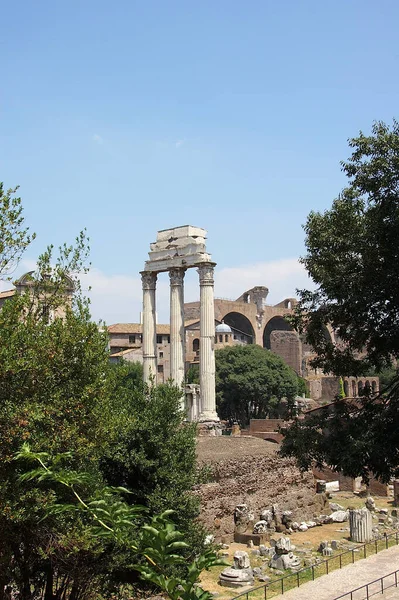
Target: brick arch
[(240, 323), (277, 323)]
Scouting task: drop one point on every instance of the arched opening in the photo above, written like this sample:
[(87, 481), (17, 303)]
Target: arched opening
[(346, 389), (367, 387), (196, 345), (360, 388), (241, 326), (374, 386), (354, 394), (275, 324)]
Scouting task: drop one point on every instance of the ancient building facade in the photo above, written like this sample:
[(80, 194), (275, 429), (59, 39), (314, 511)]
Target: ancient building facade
[(256, 322), (27, 284)]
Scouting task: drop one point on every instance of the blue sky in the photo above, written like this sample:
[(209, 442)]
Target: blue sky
[(129, 117)]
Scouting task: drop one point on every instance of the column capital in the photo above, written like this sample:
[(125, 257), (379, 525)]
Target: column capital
[(206, 271), (149, 280), (176, 275)]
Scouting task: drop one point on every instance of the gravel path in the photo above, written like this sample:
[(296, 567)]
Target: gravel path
[(351, 577)]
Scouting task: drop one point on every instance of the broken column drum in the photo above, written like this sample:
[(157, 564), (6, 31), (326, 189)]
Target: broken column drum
[(360, 524), (175, 251)]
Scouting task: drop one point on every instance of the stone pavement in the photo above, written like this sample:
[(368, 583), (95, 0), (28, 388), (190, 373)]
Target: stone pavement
[(351, 577)]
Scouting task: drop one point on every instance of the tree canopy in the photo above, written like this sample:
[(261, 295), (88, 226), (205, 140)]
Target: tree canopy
[(14, 237), (353, 258), (251, 381)]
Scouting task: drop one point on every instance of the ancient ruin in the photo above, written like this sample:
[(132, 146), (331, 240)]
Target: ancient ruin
[(240, 574), (175, 251), (361, 525)]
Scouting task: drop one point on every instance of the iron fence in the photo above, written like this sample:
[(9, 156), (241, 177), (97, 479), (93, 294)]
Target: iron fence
[(374, 587), (287, 582)]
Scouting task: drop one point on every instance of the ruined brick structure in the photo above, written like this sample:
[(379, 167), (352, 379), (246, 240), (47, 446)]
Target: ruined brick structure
[(250, 320)]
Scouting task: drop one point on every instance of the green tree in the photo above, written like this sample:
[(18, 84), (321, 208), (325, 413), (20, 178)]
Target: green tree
[(149, 449), (154, 548), (353, 258), (251, 382), (14, 238), (52, 376)]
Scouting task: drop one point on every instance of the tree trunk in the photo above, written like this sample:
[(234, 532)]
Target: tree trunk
[(48, 592)]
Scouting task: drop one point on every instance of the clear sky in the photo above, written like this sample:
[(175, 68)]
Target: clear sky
[(127, 117)]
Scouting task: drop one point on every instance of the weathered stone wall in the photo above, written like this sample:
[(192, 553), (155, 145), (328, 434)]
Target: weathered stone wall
[(248, 470), (347, 484), (288, 346)]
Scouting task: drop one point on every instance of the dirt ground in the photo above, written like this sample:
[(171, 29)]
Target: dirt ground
[(216, 449)]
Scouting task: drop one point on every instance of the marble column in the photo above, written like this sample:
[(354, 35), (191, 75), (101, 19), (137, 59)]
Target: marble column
[(207, 340), (360, 524), (149, 282), (177, 325)]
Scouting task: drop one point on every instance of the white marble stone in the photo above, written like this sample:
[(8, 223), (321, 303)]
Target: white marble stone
[(149, 327), (207, 339), (192, 260), (180, 232), (177, 345)]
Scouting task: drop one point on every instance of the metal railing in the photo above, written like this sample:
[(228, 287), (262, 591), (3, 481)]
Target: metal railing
[(283, 584), (380, 587)]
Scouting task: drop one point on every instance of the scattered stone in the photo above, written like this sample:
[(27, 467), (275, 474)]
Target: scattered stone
[(240, 574), (303, 527), (267, 515), (323, 544), (294, 526), (383, 511), (282, 545), (334, 544), (327, 551), (250, 544), (339, 516), (334, 506), (265, 551), (311, 524), (284, 558), (261, 527), (332, 486), (286, 517), (370, 503), (264, 578), (209, 539), (255, 552)]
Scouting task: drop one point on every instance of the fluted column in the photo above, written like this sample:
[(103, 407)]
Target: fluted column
[(360, 524), (149, 282), (177, 325), (207, 340)]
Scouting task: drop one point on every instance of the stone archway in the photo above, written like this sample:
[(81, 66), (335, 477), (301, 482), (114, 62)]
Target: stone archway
[(275, 324), (240, 325)]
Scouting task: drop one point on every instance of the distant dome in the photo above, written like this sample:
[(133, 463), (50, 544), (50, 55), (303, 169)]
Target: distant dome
[(223, 328)]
